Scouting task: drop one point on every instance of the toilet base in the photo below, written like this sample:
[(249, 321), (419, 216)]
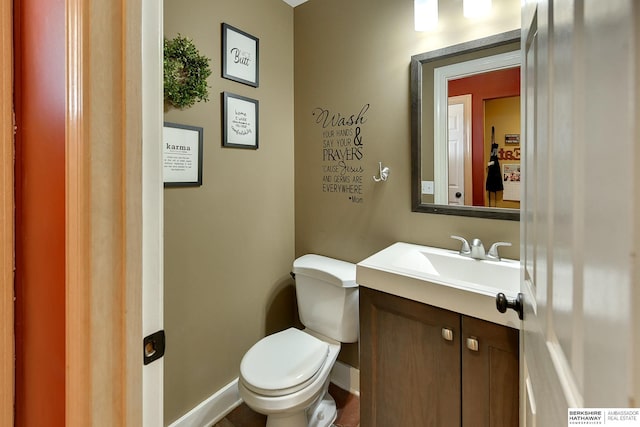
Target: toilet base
[(321, 414), (291, 419)]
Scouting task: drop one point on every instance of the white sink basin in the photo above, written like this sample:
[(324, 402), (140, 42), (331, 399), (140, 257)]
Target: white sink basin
[(443, 278), (451, 268)]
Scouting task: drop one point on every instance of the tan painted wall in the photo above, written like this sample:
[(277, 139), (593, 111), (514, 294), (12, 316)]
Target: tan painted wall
[(349, 54), (229, 244)]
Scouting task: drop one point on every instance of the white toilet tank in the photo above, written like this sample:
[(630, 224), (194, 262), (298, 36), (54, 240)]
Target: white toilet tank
[(327, 295)]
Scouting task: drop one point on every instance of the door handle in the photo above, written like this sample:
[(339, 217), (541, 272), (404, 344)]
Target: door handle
[(502, 304)]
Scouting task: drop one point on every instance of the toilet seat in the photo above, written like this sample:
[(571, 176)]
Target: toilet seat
[(283, 363)]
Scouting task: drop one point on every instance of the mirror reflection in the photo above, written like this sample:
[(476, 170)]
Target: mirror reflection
[(482, 125), (466, 129)]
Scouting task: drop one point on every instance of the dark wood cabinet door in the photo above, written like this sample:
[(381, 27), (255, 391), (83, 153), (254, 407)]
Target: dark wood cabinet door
[(410, 374), (490, 391)]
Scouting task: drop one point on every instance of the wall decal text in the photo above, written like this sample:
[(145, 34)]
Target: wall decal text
[(342, 151)]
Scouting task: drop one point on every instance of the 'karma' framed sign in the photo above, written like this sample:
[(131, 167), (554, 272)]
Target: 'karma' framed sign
[(182, 155)]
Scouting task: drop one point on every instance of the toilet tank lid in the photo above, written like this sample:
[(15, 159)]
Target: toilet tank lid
[(335, 271)]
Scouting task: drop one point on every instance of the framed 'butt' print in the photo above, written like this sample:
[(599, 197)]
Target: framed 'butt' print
[(240, 53)]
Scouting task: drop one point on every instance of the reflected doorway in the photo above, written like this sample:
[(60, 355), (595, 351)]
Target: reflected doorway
[(459, 150)]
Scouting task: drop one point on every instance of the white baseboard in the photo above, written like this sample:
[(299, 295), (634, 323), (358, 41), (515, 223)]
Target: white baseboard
[(225, 400), (346, 377), (212, 409)]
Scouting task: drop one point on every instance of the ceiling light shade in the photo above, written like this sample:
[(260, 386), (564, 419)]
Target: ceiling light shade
[(426, 14), (476, 8)]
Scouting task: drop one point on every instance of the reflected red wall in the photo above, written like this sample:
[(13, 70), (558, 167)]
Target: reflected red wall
[(495, 84), (40, 212)]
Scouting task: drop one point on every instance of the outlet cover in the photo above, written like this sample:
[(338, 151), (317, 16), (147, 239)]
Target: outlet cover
[(427, 187)]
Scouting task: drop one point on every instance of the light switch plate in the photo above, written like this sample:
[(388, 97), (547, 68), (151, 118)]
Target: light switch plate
[(427, 187)]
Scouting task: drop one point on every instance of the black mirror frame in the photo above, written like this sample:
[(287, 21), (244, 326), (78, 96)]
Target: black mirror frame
[(416, 128)]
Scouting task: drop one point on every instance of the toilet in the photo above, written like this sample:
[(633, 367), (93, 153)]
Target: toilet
[(285, 376)]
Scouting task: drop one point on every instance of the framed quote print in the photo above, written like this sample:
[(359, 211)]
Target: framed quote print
[(181, 155), (240, 53), (239, 121)]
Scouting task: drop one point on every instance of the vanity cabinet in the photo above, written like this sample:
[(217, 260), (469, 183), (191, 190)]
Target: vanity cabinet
[(423, 366)]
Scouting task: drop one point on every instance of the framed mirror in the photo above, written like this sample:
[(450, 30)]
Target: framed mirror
[(465, 129)]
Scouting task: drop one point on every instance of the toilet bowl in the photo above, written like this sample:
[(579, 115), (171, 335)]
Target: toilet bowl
[(286, 375)]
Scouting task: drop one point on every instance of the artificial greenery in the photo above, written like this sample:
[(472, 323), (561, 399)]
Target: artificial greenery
[(185, 73)]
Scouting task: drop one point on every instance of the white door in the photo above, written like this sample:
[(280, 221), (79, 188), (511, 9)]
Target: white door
[(152, 205), (579, 229), (456, 150)]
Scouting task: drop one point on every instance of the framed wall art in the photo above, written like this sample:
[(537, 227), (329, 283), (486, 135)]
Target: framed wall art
[(181, 155), (240, 52), (512, 139), (511, 182), (239, 121)]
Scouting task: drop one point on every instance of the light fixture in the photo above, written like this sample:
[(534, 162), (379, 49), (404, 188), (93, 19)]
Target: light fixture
[(476, 8), (426, 14)]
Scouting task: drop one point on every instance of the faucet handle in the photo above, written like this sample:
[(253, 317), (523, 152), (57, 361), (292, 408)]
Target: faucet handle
[(493, 251), (465, 249)]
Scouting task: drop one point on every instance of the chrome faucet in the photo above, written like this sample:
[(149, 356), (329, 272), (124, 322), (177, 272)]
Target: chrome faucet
[(476, 249)]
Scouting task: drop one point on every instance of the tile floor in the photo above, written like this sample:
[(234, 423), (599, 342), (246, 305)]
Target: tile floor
[(347, 403)]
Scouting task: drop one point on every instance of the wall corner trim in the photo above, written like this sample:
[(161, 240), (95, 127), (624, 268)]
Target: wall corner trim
[(212, 409), (346, 377)]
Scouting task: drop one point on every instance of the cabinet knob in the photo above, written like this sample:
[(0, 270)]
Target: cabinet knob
[(447, 334), (472, 344)]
